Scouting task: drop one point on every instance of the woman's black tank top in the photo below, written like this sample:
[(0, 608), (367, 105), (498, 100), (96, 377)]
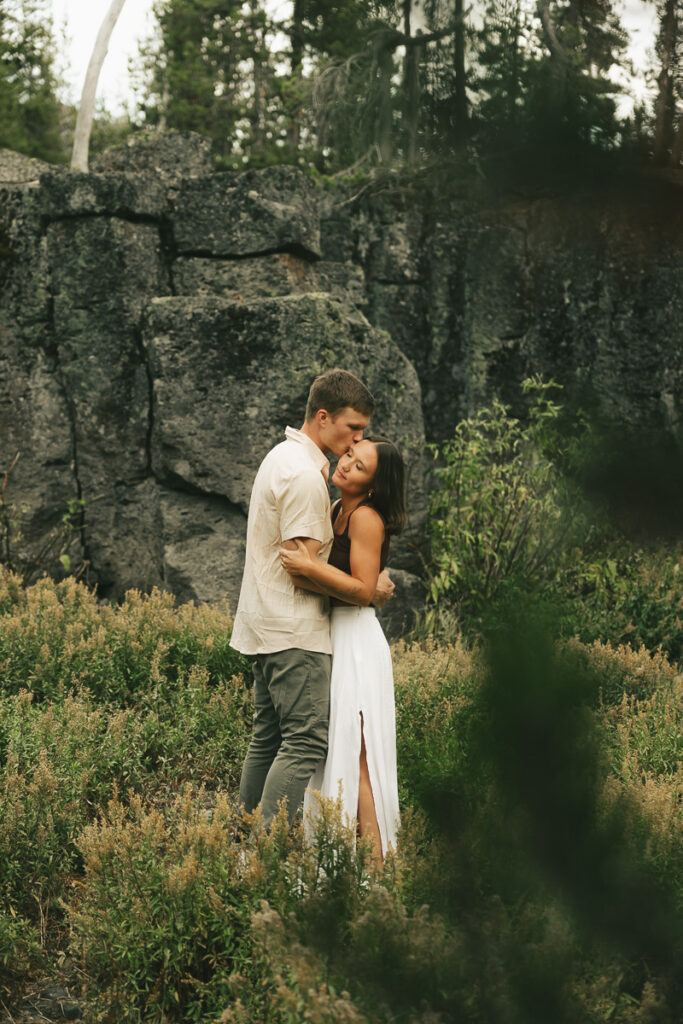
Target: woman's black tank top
[(340, 553)]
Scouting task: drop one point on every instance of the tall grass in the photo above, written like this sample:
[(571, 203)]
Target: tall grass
[(538, 871)]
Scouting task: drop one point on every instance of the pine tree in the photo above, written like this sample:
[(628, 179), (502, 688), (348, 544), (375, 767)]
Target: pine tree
[(571, 96), (29, 107), (210, 70), (668, 136)]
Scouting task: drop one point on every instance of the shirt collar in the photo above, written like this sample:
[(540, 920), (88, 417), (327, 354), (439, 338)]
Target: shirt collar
[(311, 447)]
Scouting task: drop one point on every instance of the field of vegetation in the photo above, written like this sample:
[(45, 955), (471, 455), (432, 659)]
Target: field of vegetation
[(539, 873)]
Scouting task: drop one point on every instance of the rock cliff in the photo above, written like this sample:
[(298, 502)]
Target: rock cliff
[(160, 324), (481, 292), (159, 328)]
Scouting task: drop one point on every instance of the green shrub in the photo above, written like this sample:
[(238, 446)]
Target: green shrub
[(467, 921), (507, 523), (61, 762), (198, 731), (57, 638), (626, 595), (293, 981), (20, 950), (501, 514), (163, 922), (437, 712)]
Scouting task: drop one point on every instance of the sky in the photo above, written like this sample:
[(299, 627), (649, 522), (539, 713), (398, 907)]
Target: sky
[(81, 20)]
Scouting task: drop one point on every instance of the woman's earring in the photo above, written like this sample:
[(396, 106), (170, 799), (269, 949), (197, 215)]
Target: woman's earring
[(370, 493)]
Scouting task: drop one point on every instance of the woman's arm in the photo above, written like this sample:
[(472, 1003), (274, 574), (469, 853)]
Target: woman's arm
[(384, 591), (312, 547), (366, 534)]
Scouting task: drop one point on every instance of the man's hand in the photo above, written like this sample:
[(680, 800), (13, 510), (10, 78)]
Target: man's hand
[(385, 589)]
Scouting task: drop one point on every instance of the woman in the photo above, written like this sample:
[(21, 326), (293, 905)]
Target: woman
[(362, 742)]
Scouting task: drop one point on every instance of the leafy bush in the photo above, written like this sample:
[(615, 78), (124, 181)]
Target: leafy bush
[(626, 595), (507, 522), (622, 671), (501, 513), (163, 921), (437, 714), (43, 800), (20, 950), (63, 761), (535, 786)]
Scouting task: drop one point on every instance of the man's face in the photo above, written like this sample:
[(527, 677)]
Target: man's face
[(338, 433)]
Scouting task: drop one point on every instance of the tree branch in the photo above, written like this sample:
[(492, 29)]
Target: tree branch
[(550, 35), (86, 111)]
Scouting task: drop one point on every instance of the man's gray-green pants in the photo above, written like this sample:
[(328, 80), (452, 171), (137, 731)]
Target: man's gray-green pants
[(291, 722)]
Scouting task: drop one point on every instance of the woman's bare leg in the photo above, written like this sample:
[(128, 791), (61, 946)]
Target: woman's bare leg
[(367, 816)]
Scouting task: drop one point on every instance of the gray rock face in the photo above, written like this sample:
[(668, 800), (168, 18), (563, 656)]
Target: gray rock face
[(102, 270), (169, 157), (228, 376), (266, 277), (242, 370), (481, 295), (204, 546), (233, 214), (160, 325), (399, 615), (157, 334), (69, 194), (35, 423), (16, 169)]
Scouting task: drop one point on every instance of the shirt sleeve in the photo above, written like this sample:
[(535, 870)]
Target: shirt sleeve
[(304, 507)]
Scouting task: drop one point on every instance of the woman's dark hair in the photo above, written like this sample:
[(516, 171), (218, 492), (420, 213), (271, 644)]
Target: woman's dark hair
[(388, 487)]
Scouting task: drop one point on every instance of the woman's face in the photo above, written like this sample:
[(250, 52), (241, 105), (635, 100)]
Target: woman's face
[(356, 469)]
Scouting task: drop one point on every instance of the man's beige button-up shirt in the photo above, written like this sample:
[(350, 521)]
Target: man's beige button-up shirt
[(289, 499)]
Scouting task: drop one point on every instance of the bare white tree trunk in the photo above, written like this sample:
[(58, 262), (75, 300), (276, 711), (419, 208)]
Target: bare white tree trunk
[(86, 111)]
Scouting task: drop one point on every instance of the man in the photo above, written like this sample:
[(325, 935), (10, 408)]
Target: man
[(284, 627)]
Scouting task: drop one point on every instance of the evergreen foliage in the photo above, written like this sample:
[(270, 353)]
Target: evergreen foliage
[(29, 108), (211, 70), (359, 82)]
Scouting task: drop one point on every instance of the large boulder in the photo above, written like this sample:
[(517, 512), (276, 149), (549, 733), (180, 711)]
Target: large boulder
[(203, 547), (68, 194), (480, 294), (167, 156), (245, 214), (17, 169), (266, 277), (35, 431), (35, 422), (103, 270), (228, 376)]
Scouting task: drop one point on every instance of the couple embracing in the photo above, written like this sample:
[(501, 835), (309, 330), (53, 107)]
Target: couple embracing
[(323, 685)]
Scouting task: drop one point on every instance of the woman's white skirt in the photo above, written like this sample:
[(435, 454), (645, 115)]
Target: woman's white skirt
[(362, 683)]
